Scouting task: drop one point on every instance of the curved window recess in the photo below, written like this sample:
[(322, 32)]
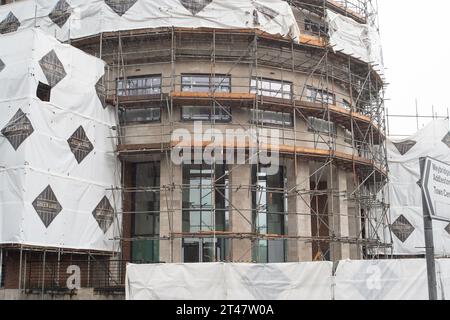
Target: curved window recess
[(346, 104), (315, 27), (348, 137), (320, 96), (139, 115), (206, 113), (205, 83), (139, 85), (266, 117), (321, 126), (271, 88)]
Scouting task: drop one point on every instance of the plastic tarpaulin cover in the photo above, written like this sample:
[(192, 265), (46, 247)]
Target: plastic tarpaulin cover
[(443, 278), (405, 195), (57, 163), (381, 280), (222, 281), (361, 41), (81, 18)]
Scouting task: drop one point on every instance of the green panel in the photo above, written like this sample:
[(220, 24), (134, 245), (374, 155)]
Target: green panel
[(145, 251)]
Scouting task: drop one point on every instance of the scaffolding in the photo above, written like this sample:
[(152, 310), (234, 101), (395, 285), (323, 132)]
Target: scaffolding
[(363, 121), (358, 147)]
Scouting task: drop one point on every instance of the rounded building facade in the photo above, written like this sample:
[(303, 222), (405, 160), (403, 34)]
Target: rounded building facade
[(325, 109), (253, 134)]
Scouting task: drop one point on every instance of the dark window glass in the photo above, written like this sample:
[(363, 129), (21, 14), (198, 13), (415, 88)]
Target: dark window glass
[(140, 115), (146, 208)]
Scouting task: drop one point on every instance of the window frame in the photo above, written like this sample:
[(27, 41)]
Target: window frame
[(262, 180), (263, 121), (219, 206), (320, 28), (126, 89), (257, 87), (220, 117), (346, 104), (312, 94), (315, 130), (213, 83), (153, 119), (155, 215)]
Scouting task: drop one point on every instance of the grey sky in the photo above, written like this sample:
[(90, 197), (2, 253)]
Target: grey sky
[(417, 57)]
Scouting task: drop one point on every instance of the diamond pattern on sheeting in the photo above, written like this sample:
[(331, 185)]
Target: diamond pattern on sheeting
[(60, 13), (18, 129), (104, 214), (53, 68), (47, 206)]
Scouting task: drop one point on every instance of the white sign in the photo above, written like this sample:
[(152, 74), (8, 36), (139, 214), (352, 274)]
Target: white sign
[(436, 187)]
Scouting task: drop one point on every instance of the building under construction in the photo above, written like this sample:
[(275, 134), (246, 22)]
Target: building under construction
[(308, 72)]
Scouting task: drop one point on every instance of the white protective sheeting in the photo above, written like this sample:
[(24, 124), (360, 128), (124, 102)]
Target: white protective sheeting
[(404, 279), (82, 18), (381, 280), (443, 278), (361, 41), (405, 195), (222, 281), (63, 147)]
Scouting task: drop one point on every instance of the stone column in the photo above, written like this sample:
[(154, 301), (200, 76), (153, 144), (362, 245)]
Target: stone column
[(299, 219), (354, 222), (339, 213), (171, 211), (241, 211)]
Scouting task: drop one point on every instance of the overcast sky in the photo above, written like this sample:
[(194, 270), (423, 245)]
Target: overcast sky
[(416, 45)]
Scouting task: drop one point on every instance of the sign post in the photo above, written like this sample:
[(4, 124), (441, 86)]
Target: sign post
[(435, 185)]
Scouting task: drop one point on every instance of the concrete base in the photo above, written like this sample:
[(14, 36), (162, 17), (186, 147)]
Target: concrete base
[(82, 294)]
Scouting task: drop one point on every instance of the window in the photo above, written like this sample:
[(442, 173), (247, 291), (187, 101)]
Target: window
[(265, 117), (271, 88), (146, 206), (348, 136), (206, 113), (138, 86), (269, 214), (322, 126), (315, 27), (140, 115), (43, 92), (320, 96), (347, 105), (205, 210), (205, 83)]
